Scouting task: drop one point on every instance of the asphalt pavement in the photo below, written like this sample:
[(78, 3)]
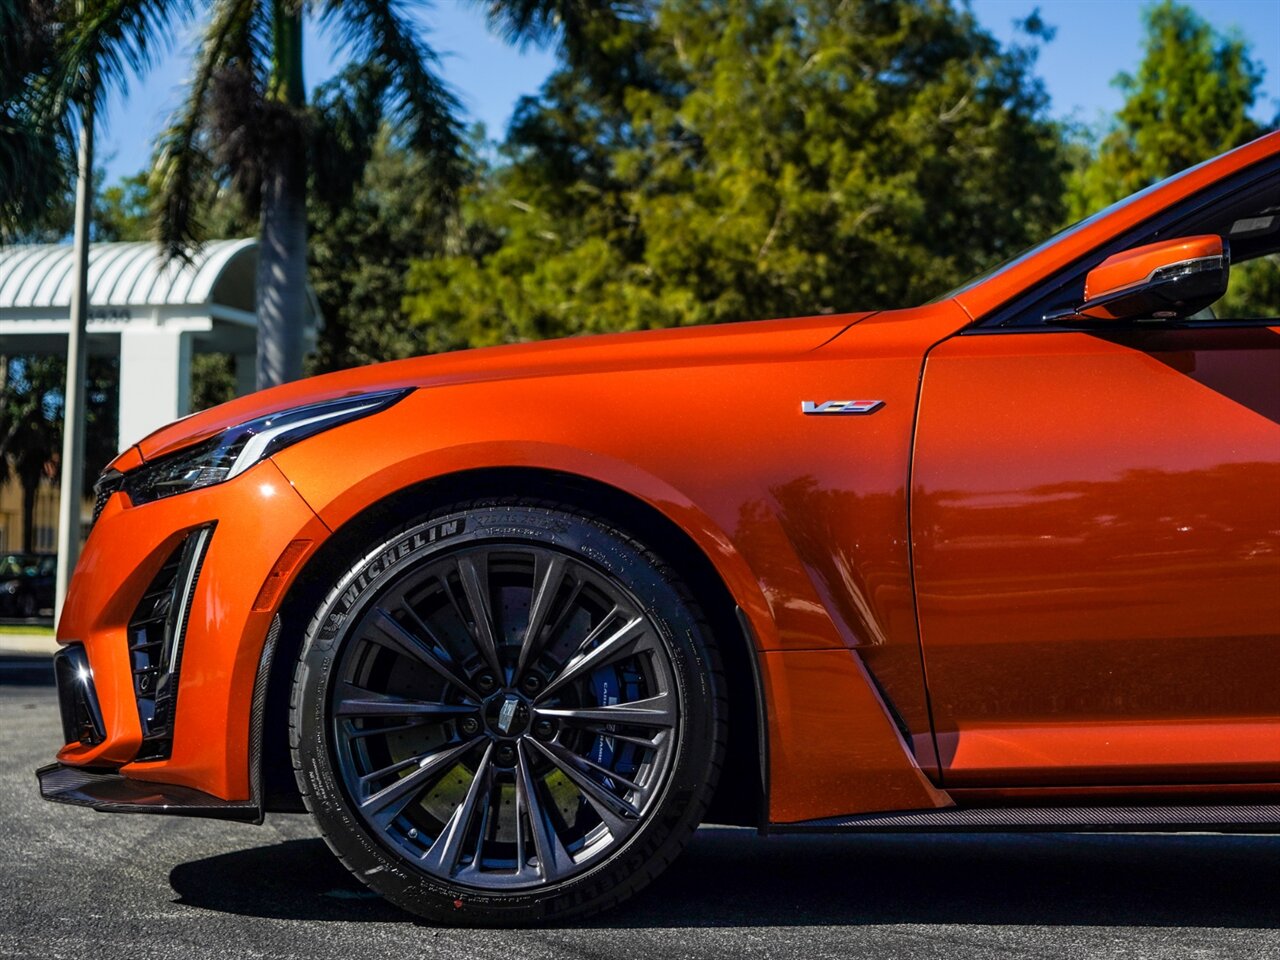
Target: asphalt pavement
[(74, 883)]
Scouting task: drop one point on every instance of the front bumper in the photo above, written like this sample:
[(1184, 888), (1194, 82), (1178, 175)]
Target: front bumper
[(213, 649)]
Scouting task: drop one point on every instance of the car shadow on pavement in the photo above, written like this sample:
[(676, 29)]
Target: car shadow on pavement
[(733, 878)]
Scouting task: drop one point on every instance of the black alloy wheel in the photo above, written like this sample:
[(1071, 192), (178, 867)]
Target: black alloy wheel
[(508, 713)]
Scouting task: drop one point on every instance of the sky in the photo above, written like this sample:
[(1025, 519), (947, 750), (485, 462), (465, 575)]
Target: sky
[(1095, 40)]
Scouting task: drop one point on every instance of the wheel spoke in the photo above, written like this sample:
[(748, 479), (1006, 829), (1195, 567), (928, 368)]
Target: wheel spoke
[(423, 628), (567, 608), (620, 643), (351, 733), (385, 805), (617, 814), (589, 764), (395, 635), (648, 743), (445, 852), (548, 574), (355, 702), (522, 809), (475, 586), (553, 858), (373, 776), (656, 711)]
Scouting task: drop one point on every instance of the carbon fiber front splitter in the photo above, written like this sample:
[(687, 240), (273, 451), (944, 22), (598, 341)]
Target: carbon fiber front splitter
[(112, 793)]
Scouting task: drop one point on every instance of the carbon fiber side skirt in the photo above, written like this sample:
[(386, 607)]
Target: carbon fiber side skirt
[(1163, 818)]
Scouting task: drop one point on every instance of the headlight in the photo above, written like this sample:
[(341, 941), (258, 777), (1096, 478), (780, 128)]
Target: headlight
[(238, 448)]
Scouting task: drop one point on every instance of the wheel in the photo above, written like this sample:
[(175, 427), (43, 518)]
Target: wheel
[(507, 712)]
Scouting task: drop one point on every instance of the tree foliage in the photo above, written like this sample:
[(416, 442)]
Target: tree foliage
[(360, 250), (762, 158), (1190, 100)]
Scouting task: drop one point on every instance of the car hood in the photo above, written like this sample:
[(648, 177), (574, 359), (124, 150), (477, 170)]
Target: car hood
[(686, 346)]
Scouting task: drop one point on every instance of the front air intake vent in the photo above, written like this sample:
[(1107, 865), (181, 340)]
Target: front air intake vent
[(77, 697), (156, 633)]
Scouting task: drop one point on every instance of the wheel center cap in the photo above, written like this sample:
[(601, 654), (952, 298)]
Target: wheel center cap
[(507, 715)]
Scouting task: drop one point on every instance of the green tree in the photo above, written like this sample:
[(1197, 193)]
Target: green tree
[(122, 211), (360, 251), (31, 423), (761, 158), (1190, 100)]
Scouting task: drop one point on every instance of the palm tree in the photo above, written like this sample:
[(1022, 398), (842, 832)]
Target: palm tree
[(34, 151), (245, 119)]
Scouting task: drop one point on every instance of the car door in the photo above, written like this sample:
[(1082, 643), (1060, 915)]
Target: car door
[(1096, 542)]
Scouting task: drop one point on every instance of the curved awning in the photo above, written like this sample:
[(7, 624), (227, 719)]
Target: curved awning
[(126, 275)]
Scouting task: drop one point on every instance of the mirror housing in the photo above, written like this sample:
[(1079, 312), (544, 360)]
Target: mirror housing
[(1168, 280)]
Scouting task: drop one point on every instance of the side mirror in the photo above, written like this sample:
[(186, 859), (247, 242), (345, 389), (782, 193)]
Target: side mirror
[(1169, 280)]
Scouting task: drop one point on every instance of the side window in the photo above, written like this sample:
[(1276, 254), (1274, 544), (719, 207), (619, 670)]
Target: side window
[(1254, 293), (1250, 222), (1245, 212)]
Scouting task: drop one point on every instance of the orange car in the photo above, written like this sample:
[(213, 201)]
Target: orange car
[(510, 623)]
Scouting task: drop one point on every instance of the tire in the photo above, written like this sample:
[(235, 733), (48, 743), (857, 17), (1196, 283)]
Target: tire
[(478, 772)]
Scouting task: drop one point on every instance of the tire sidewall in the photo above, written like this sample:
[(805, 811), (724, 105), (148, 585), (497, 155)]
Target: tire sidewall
[(589, 540)]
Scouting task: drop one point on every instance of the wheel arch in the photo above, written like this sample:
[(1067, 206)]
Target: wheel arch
[(742, 794)]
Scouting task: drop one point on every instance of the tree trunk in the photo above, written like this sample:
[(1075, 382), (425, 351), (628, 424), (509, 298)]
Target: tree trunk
[(282, 273), (282, 250)]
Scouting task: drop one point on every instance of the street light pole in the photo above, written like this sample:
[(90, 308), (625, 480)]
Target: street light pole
[(73, 414)]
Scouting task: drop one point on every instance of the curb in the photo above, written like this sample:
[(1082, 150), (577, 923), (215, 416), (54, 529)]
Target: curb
[(27, 645)]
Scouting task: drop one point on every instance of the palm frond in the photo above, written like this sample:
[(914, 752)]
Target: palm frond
[(416, 100), (107, 41), (566, 23), (34, 167)]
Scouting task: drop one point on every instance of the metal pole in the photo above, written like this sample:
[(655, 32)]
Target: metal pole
[(73, 416)]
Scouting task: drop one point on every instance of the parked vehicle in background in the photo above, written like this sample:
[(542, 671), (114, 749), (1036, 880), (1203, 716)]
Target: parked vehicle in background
[(26, 584)]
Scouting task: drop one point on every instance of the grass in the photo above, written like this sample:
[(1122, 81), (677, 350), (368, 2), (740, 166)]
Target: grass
[(25, 630)]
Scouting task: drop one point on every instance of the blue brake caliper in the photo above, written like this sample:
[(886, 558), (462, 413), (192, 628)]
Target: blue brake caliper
[(612, 685)]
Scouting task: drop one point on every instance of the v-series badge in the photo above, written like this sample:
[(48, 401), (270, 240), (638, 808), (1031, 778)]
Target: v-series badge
[(840, 406)]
